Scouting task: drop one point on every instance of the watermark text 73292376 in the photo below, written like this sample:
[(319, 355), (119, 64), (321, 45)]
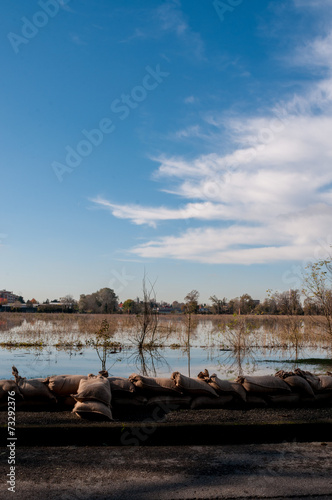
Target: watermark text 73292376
[(11, 444)]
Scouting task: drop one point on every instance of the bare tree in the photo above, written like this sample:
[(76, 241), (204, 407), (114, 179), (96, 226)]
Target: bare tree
[(103, 343), (147, 319), (218, 305), (190, 320), (317, 288)]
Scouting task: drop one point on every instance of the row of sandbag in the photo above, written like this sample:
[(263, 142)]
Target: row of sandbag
[(91, 396)]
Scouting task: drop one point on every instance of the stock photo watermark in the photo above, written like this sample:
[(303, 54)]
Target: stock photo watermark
[(121, 107), (120, 281), (30, 27), (11, 445), (225, 7)]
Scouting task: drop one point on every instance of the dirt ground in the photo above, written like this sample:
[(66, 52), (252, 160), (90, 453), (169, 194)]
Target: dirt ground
[(254, 415)]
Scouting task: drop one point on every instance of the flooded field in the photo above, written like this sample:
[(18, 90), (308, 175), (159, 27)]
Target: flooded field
[(43, 345)]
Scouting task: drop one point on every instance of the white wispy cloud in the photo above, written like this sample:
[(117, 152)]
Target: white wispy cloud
[(171, 19), (284, 238), (316, 53), (272, 195), (313, 3), (77, 39), (152, 215), (138, 34), (190, 99), (168, 19)]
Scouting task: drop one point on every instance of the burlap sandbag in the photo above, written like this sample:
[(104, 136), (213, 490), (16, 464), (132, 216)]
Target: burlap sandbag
[(193, 386), (208, 402), (94, 389), (173, 402), (224, 387), (155, 385), (203, 375), (136, 400), (324, 396), (257, 401), (64, 385), (35, 390), (284, 399), (312, 379), (66, 401), (300, 385), (265, 384), (92, 410), (9, 386), (325, 383), (121, 384)]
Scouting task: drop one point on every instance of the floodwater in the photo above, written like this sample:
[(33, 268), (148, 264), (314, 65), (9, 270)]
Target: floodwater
[(224, 345)]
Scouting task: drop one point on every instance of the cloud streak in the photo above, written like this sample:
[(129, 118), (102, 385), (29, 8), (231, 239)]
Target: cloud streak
[(268, 200)]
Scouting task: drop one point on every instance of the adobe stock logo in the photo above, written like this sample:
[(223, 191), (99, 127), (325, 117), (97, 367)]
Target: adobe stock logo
[(223, 7), (120, 281), (30, 27)]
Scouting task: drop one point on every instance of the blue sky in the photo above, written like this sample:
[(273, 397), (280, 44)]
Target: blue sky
[(187, 140)]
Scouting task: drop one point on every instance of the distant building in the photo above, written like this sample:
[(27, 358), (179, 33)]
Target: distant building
[(204, 310), (9, 296), (164, 309), (19, 308)]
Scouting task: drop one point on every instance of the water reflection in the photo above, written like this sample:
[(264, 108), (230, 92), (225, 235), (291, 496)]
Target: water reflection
[(149, 362)]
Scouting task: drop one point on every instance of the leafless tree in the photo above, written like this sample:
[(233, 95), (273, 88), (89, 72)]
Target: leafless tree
[(317, 283), (147, 319)]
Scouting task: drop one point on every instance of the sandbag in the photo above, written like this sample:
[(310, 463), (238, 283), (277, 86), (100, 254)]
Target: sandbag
[(223, 387), (66, 401), (137, 400), (313, 380), (284, 399), (283, 374), (34, 390), (94, 389), (171, 402), (257, 401), (300, 385), (325, 383), (192, 386), (323, 396), (264, 384), (210, 402), (64, 385), (156, 385), (5, 387), (92, 410), (121, 384), (203, 375)]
